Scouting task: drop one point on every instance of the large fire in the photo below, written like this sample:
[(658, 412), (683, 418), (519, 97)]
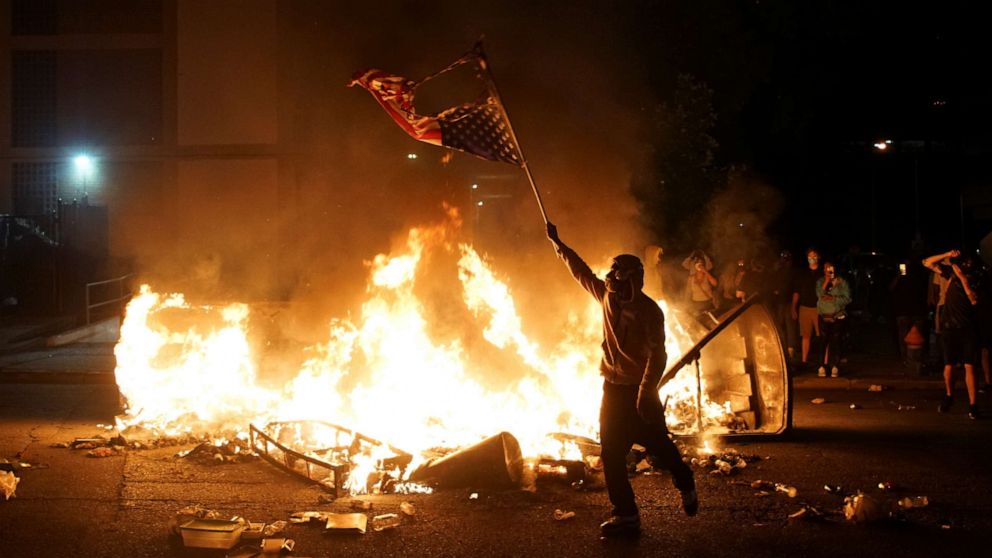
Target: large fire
[(187, 368)]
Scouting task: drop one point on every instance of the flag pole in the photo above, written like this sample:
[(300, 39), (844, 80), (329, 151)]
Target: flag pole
[(491, 82)]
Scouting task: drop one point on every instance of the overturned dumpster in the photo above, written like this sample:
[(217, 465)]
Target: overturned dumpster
[(738, 366)]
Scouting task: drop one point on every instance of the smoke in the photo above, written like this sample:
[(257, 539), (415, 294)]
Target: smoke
[(301, 227), (738, 217)]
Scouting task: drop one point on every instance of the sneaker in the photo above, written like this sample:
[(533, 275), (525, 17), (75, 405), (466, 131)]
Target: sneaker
[(821, 372), (973, 412), (945, 405), (834, 372), (621, 525), (690, 502)]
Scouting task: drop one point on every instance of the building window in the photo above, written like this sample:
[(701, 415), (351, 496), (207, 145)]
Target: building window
[(36, 190), (33, 17), (33, 99)]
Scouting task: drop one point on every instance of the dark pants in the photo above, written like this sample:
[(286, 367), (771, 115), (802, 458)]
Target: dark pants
[(619, 428), (788, 328), (832, 332)]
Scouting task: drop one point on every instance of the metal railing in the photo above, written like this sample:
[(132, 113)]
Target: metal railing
[(123, 295)]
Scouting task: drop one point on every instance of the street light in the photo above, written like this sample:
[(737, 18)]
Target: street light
[(85, 167)]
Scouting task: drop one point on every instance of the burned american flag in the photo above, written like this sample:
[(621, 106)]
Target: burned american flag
[(479, 128)]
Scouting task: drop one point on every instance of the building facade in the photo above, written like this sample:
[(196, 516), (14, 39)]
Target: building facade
[(165, 112)]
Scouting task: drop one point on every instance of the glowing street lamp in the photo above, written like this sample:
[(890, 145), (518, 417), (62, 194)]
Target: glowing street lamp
[(85, 167)]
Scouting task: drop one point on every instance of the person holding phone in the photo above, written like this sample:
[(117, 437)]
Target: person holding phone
[(833, 295)]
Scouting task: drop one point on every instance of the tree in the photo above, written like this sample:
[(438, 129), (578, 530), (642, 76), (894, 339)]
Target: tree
[(676, 174)]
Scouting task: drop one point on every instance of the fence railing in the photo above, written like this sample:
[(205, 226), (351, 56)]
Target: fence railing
[(119, 296)]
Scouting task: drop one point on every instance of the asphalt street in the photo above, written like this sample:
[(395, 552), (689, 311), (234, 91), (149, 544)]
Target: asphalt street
[(69, 505)]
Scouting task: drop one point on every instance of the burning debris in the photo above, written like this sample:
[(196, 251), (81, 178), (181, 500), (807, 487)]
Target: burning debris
[(190, 374), (219, 452), (338, 459), (8, 484)]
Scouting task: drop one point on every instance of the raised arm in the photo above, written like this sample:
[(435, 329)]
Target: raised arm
[(972, 297), (931, 262), (578, 268)]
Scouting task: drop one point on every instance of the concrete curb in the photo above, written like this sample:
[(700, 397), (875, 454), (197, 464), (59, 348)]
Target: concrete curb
[(104, 331), (863, 383), (56, 377)]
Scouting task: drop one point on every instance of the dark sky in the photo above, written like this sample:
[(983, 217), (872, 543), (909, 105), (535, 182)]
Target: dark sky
[(796, 83)]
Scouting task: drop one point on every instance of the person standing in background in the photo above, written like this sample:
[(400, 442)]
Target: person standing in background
[(833, 295), (957, 326), (804, 302)]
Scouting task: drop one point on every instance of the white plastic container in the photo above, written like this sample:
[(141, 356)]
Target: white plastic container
[(211, 533)]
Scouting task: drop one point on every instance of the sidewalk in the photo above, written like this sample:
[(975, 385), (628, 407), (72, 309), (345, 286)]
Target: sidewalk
[(863, 371), (38, 351), (81, 363)]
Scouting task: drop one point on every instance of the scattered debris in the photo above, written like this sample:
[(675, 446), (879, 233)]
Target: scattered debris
[(105, 451), (63, 445), (359, 505), (877, 387), (863, 508), (763, 485), (88, 443), (277, 546), (595, 480), (762, 493), (212, 533), (189, 513), (308, 516), (346, 523), (274, 528), (563, 515), (8, 484), (786, 489), (385, 521), (906, 408), (914, 502), (808, 513), (219, 452), (818, 401), (855, 406), (253, 531), (408, 509), (18, 465), (727, 462), (493, 462), (330, 467)]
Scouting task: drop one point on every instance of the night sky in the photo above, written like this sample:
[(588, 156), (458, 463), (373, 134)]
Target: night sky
[(803, 89)]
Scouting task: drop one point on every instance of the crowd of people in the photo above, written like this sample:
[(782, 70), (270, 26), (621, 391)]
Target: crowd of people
[(944, 300)]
